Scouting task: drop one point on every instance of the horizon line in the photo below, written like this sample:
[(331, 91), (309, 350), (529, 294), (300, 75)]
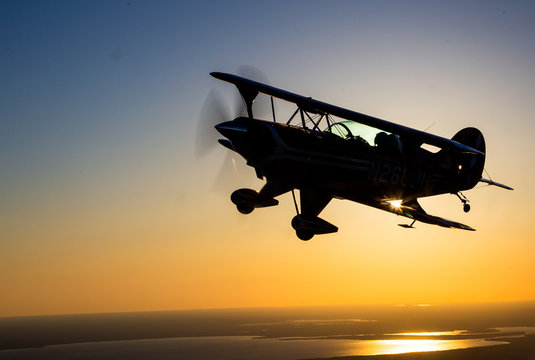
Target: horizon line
[(280, 307)]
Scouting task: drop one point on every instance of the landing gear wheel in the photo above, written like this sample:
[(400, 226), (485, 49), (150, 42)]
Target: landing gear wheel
[(244, 199), (245, 208), (464, 200), (304, 235)]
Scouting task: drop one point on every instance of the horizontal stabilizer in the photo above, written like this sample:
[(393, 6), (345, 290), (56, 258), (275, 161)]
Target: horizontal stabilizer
[(491, 182)]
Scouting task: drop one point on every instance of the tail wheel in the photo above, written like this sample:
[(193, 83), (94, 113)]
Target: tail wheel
[(464, 200)]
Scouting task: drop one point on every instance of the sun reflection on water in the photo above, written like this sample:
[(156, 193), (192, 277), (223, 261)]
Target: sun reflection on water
[(407, 346), (432, 333)]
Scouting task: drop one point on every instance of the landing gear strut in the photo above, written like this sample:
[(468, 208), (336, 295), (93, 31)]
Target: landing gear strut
[(464, 200), (308, 225)]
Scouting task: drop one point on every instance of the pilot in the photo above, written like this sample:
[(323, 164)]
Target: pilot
[(387, 142)]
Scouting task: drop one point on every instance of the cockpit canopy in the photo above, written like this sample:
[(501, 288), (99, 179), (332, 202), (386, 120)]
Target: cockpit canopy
[(366, 135)]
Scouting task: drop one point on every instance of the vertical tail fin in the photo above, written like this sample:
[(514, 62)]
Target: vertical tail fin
[(471, 165)]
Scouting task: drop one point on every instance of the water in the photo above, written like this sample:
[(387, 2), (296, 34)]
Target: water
[(236, 348), (286, 333)]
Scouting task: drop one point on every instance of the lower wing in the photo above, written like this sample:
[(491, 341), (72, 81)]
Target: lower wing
[(412, 210)]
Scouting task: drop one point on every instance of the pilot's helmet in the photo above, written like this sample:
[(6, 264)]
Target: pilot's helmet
[(381, 139), (388, 142)]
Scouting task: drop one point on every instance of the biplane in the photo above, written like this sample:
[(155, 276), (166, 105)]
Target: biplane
[(327, 152)]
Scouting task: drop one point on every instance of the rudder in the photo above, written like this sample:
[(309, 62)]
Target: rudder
[(471, 164)]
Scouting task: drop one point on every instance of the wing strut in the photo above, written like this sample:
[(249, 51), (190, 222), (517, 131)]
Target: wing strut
[(273, 108)]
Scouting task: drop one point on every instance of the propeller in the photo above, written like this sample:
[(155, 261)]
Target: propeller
[(233, 174), (214, 111)]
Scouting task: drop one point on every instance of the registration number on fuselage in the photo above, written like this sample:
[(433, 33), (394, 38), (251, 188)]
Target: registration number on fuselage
[(397, 175)]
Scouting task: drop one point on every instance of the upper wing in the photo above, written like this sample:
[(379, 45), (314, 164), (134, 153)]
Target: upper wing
[(318, 107), (413, 210)]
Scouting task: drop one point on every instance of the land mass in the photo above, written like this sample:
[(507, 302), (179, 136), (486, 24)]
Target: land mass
[(339, 322)]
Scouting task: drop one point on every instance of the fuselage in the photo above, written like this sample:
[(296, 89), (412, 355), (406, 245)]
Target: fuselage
[(346, 165)]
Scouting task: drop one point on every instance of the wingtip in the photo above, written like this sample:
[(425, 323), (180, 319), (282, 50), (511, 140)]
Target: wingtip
[(226, 77), (463, 227), (216, 74)]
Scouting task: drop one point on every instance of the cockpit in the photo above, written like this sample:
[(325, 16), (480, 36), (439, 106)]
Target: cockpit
[(365, 135)]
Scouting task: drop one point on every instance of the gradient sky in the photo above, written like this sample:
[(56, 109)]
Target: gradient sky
[(104, 207)]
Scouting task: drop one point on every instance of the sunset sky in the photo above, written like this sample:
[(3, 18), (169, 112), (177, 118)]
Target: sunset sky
[(104, 206)]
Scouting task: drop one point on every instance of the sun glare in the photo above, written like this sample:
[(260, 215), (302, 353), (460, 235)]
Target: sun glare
[(396, 204)]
